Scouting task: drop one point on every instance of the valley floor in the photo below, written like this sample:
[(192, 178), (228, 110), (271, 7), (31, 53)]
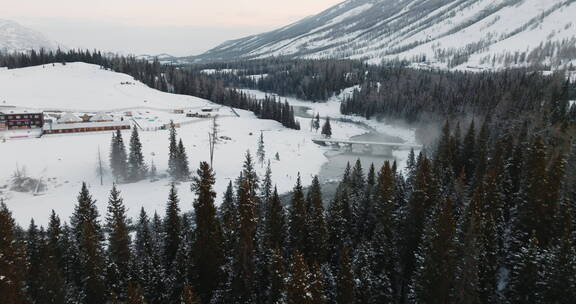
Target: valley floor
[(65, 161)]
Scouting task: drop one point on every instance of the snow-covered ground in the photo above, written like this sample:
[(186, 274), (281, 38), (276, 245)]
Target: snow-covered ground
[(331, 108), (65, 161)]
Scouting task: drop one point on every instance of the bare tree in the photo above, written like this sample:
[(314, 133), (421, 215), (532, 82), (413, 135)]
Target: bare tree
[(213, 138), (100, 168)]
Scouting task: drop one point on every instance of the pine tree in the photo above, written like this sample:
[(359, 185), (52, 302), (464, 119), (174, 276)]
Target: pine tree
[(90, 252), (326, 128), (174, 169), (12, 262), (423, 199), (144, 261), (242, 276), (153, 171), (228, 216), (297, 219), (137, 169), (183, 162), (53, 288), (260, 152), (468, 151), (526, 281), (561, 275), (208, 253), (118, 157), (384, 235), (172, 228), (276, 287), (315, 224), (119, 255), (265, 191), (298, 287), (468, 287), (433, 280), (275, 225), (316, 122), (346, 292)]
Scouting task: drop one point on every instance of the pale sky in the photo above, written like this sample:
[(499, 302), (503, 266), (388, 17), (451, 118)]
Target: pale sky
[(178, 27)]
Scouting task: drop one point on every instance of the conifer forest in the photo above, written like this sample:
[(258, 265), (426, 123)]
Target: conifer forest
[(485, 213)]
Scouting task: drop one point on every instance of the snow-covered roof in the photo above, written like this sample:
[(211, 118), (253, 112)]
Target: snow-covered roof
[(101, 116), (68, 118), (16, 110), (60, 126)]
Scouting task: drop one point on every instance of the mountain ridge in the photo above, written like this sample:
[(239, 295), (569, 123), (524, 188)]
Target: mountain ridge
[(434, 33), (15, 37)]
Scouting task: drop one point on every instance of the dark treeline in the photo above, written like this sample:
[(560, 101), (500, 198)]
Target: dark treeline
[(419, 95), (315, 80), (163, 77), (484, 218), (394, 91)]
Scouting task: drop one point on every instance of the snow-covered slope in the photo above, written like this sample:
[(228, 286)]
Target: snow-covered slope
[(17, 38), (64, 161), (82, 87), (440, 33)]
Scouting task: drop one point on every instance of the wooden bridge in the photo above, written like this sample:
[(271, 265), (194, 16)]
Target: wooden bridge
[(371, 147)]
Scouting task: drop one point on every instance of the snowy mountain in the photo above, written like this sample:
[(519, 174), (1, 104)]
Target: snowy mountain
[(438, 33), (17, 38)]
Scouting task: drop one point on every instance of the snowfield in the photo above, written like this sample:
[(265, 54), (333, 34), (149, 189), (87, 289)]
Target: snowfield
[(65, 161)]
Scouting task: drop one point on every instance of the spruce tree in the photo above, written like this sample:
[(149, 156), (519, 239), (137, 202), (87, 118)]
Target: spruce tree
[(118, 157), (327, 128), (89, 239), (243, 270), (173, 162), (275, 225), (207, 249), (119, 254), (144, 262), (52, 276), (433, 280), (526, 280), (316, 224), (34, 284), (298, 287), (228, 217), (172, 229), (261, 152), (182, 161), (316, 122), (297, 219), (346, 284), (137, 169), (12, 263)]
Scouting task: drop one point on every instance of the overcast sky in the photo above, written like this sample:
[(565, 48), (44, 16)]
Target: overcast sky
[(178, 27)]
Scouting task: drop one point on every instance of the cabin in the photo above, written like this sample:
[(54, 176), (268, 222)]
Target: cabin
[(12, 118), (178, 111)]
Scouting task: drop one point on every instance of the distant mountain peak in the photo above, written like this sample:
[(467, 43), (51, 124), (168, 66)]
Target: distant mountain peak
[(17, 38), (462, 34)]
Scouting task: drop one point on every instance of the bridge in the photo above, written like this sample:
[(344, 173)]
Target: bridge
[(371, 147)]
